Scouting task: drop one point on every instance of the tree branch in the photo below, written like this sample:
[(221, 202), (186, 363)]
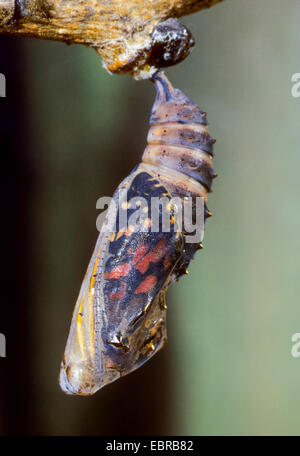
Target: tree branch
[(120, 30)]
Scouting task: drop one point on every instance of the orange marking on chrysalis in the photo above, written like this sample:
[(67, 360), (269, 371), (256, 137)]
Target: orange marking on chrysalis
[(130, 230), (119, 294), (146, 285), (120, 233), (154, 256), (147, 223), (119, 271)]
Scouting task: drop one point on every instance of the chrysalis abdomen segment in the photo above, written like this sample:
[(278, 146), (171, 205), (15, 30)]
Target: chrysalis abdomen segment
[(178, 137), (191, 135)]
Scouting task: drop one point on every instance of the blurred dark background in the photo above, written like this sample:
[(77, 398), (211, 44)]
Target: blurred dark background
[(70, 132)]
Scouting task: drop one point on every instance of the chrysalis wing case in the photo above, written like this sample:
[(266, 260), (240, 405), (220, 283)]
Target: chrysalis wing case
[(119, 321)]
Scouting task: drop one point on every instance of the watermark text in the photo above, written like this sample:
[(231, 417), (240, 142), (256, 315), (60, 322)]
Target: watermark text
[(2, 86), (296, 87), (2, 346), (154, 214)]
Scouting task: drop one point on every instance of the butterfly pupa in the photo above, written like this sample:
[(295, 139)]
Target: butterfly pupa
[(119, 320)]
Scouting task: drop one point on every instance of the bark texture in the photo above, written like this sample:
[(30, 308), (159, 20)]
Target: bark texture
[(120, 30)]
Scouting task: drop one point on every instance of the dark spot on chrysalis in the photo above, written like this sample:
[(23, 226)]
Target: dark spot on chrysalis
[(171, 43)]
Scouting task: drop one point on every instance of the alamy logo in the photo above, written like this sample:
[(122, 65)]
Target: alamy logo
[(296, 87), (295, 351), (2, 346), (157, 214), (2, 85)]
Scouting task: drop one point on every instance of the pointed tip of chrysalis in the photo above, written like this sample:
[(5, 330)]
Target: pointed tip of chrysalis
[(171, 105), (163, 86)]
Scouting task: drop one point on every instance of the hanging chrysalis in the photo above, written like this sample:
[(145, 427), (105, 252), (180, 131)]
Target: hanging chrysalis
[(119, 321)]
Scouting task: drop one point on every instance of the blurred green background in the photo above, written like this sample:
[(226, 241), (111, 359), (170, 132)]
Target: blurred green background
[(227, 369)]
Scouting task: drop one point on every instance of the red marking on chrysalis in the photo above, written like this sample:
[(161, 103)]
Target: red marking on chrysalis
[(140, 252), (119, 271), (154, 256), (146, 285)]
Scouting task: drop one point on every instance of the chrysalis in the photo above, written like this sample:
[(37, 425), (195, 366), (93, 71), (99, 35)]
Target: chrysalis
[(119, 321)]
